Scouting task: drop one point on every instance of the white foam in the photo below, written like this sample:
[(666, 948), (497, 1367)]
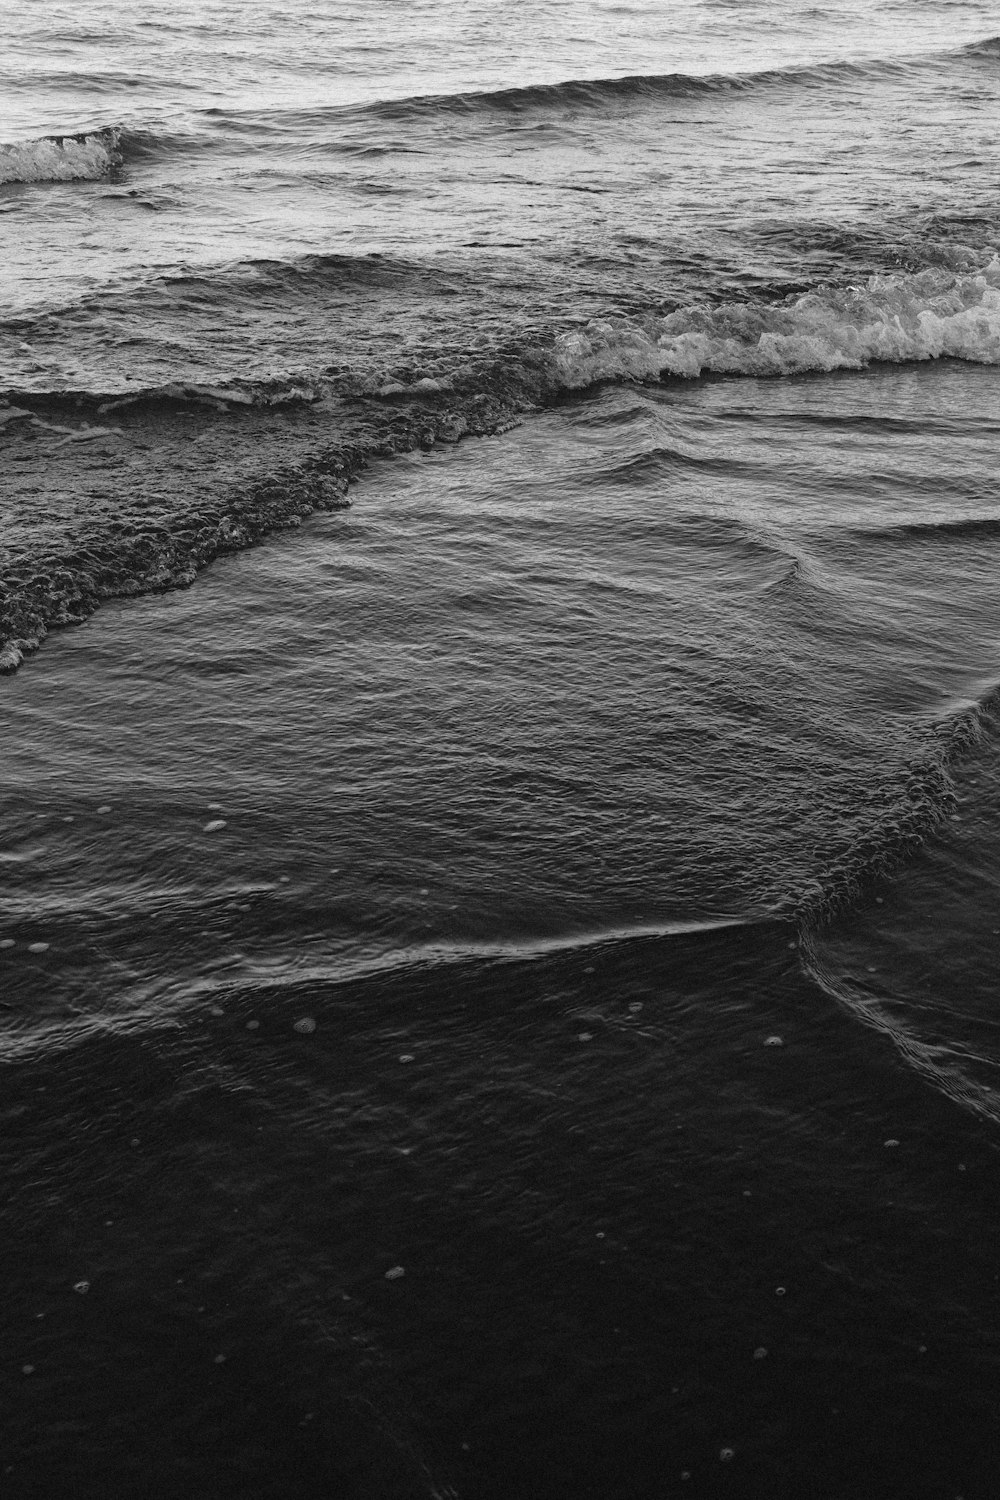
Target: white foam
[(923, 316), (62, 159)]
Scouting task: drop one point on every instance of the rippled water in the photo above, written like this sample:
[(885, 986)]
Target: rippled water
[(497, 982)]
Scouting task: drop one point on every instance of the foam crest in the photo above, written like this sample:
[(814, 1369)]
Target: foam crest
[(62, 158), (930, 315)]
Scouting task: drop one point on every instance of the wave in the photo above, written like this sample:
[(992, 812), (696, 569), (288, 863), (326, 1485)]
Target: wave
[(929, 315), (892, 318), (915, 804), (91, 155), (950, 1040), (88, 156), (961, 529), (156, 1005), (600, 93), (307, 323), (896, 243), (966, 721), (275, 391), (940, 1064), (341, 416), (63, 158)]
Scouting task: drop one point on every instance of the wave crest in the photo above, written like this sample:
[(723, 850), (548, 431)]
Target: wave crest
[(930, 315), (601, 93), (62, 158), (988, 47)]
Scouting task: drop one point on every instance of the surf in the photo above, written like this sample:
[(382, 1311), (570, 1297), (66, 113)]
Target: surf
[(86, 157)]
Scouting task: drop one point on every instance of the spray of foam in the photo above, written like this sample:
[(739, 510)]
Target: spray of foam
[(897, 318), (61, 158)]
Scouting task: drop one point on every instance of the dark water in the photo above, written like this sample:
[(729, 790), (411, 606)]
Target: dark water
[(547, 786), (498, 982)]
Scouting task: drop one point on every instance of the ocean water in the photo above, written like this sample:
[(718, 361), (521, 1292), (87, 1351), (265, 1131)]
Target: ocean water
[(499, 728)]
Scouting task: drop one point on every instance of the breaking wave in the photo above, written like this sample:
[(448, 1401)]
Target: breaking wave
[(63, 158), (343, 415), (930, 315), (988, 47), (889, 318)]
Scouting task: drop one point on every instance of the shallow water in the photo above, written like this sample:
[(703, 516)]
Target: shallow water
[(607, 673), (497, 982), (424, 890)]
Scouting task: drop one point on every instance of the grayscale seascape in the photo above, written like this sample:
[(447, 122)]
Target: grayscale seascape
[(500, 750)]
